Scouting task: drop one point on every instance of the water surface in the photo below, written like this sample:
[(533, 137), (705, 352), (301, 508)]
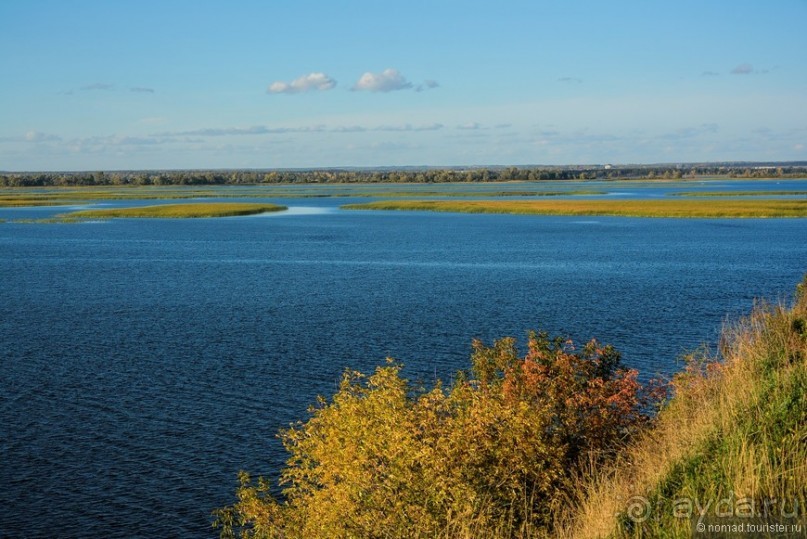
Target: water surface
[(145, 362)]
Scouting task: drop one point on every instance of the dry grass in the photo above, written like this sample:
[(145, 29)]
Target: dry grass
[(178, 211), (735, 429), (625, 208)]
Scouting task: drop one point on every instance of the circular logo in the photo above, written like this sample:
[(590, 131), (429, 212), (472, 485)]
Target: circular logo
[(638, 508)]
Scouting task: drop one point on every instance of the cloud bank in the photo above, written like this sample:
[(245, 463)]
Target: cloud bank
[(312, 82), (266, 130)]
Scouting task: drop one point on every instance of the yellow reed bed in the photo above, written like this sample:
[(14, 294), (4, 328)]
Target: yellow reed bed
[(178, 211), (625, 208)]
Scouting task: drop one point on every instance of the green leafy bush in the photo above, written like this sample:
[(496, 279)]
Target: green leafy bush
[(493, 455)]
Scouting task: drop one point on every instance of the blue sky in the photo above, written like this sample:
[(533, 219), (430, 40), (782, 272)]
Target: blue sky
[(92, 85)]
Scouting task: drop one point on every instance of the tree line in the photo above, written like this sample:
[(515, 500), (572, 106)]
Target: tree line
[(403, 175)]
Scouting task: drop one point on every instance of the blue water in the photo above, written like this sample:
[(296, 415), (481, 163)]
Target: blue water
[(145, 362)]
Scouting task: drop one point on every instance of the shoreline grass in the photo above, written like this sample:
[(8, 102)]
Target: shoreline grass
[(624, 208), (176, 211), (735, 433)]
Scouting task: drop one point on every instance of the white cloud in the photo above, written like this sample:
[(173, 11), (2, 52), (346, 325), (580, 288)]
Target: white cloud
[(312, 81), (388, 80), (141, 90)]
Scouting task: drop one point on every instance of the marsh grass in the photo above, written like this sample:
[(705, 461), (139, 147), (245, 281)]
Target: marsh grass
[(736, 429), (78, 196), (625, 208), (73, 195), (11, 202), (737, 193), (479, 193), (177, 211)]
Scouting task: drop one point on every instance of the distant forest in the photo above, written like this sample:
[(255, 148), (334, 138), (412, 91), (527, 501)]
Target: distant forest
[(401, 175)]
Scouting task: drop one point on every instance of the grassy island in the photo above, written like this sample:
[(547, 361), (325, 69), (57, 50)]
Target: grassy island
[(625, 208), (738, 193), (178, 211)]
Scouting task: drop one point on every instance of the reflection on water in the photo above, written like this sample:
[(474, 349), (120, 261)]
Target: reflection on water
[(299, 210)]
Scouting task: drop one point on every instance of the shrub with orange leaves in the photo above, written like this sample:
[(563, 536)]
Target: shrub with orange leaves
[(491, 455)]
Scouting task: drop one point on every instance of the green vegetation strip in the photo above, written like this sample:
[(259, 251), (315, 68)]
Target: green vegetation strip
[(78, 197), (480, 193), (737, 193), (68, 196), (24, 202), (178, 211), (625, 208)]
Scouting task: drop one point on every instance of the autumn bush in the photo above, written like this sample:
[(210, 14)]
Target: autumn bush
[(494, 454)]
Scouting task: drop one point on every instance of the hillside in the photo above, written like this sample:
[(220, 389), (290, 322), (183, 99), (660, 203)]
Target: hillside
[(729, 449)]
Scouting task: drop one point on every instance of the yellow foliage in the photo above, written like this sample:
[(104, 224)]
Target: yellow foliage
[(489, 456)]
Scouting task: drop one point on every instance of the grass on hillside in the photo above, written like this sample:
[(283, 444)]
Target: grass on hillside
[(177, 211), (732, 440), (626, 208)]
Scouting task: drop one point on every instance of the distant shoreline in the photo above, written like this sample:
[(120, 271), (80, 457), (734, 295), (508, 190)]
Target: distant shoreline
[(336, 175)]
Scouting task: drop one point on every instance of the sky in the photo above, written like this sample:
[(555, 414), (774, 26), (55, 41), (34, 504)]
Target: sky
[(174, 84)]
